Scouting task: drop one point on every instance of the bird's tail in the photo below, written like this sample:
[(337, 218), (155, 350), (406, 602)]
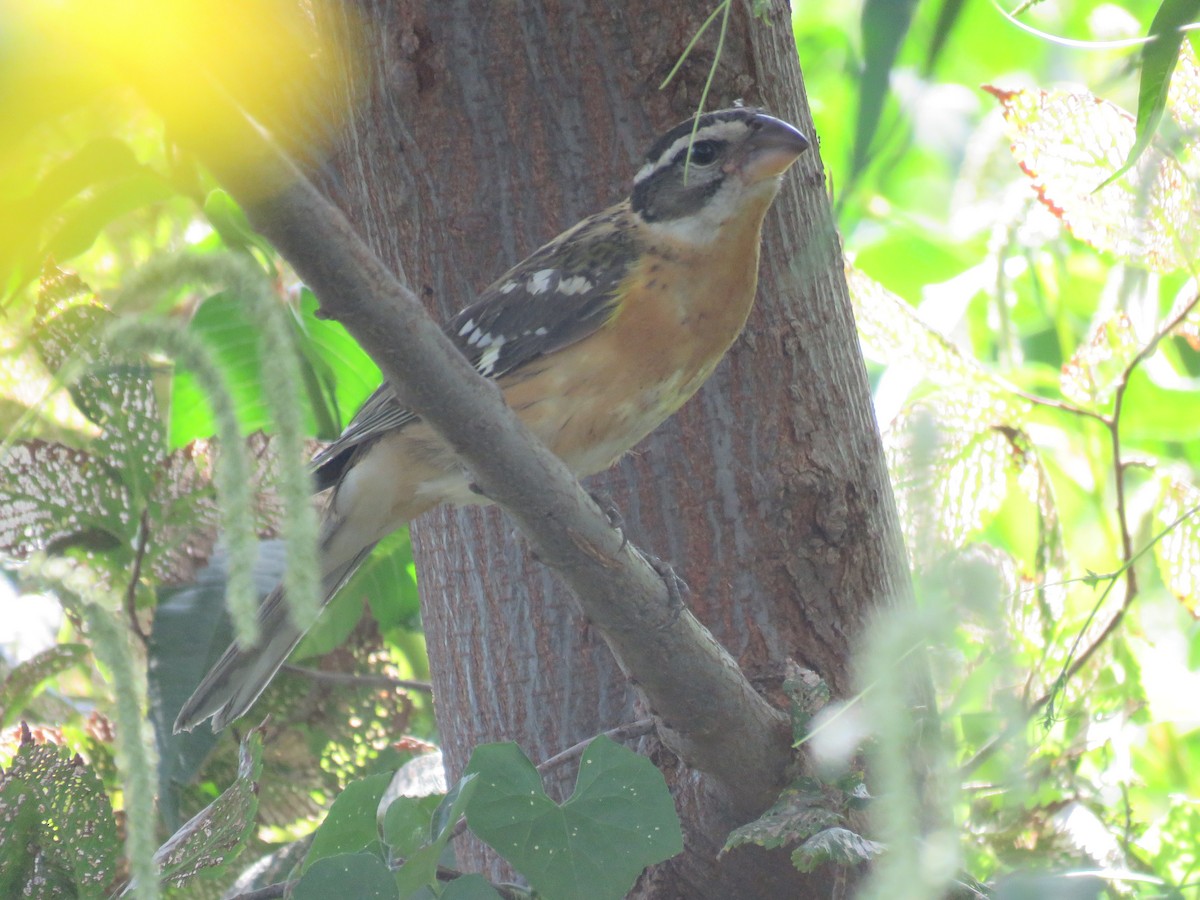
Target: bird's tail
[(242, 673)]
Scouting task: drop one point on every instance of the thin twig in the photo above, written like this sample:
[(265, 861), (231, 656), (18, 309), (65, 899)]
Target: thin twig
[(268, 892), (367, 680), (620, 733), (1063, 406), (1074, 663)]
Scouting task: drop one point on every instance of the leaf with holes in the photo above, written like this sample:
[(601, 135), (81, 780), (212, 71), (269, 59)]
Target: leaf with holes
[(950, 463), (619, 820), (217, 834), (1071, 143), (58, 836), (797, 815), (53, 497), (115, 393), (892, 332), (1091, 375), (839, 846), (1178, 553)]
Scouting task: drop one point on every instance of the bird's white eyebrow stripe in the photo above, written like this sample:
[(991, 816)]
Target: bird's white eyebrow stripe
[(715, 131)]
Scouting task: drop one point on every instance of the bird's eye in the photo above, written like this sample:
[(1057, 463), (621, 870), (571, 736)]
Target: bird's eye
[(704, 153)]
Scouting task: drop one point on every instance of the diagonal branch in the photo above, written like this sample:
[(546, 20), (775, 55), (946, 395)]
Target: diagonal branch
[(717, 721)]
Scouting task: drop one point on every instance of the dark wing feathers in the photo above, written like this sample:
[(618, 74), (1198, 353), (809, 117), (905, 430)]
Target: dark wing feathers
[(557, 296)]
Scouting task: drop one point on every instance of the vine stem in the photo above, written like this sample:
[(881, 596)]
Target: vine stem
[(1073, 663), (1077, 660)]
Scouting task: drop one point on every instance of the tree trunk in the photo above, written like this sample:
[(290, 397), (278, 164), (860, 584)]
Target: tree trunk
[(480, 132)]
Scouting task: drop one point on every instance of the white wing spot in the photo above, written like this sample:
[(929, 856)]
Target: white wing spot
[(542, 331), (475, 337), (574, 285), (466, 328), (487, 362), (539, 282), (508, 287)]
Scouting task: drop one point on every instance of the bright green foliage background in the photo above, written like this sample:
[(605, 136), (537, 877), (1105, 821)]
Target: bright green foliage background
[(1005, 339), (1025, 360)]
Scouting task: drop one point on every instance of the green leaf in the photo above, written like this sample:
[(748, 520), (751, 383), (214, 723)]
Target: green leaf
[(58, 836), (362, 876), (1154, 412), (100, 160), (346, 374), (406, 823), (835, 845), (349, 825), (885, 24), (217, 834), (797, 815), (228, 329), (619, 820), (470, 887), (420, 868), (1160, 54), (107, 203), (949, 13), (384, 582), (1025, 886), (230, 222), (191, 630), (1178, 553), (24, 682)]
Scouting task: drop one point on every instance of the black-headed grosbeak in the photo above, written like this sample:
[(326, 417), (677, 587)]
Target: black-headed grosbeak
[(595, 339)]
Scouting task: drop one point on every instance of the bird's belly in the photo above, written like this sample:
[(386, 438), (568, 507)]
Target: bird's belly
[(590, 422)]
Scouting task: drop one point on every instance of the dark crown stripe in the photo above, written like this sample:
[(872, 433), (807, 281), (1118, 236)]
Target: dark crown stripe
[(743, 114)]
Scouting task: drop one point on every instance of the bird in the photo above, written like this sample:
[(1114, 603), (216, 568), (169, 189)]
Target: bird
[(595, 339)]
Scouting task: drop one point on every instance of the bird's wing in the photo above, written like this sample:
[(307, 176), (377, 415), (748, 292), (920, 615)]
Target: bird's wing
[(557, 296)]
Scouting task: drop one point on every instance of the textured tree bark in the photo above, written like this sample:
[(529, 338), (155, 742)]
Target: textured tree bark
[(481, 131)]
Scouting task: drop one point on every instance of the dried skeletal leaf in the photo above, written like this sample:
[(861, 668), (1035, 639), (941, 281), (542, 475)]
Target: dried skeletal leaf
[(892, 332), (1178, 553), (114, 392), (1070, 143), (218, 832), (1189, 326), (950, 466), (1092, 373)]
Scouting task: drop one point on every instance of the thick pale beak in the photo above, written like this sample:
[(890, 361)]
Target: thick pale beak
[(769, 151)]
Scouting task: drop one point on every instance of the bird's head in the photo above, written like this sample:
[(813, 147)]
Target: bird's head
[(700, 175)]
